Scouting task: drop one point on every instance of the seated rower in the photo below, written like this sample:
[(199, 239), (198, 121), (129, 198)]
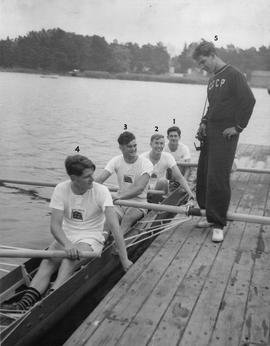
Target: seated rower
[(179, 151), (133, 174), (161, 162), (79, 207)]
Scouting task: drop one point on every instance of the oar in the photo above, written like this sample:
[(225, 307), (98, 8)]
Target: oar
[(264, 220), (39, 183), (30, 253), (239, 169)]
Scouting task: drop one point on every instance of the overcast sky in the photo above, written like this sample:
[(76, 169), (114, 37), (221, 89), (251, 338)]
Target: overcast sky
[(244, 23)]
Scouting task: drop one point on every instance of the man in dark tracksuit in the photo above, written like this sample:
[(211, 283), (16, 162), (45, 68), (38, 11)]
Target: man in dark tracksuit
[(231, 104)]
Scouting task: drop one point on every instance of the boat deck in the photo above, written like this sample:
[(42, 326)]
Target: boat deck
[(186, 290)]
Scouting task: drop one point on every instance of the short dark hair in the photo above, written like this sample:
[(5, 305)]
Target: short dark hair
[(156, 136), (125, 138), (76, 164), (174, 128), (204, 48)]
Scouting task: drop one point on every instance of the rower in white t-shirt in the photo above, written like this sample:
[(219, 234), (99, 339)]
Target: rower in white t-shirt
[(161, 162), (133, 174), (79, 207), (179, 150)]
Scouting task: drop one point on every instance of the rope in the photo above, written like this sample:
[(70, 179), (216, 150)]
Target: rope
[(165, 229), (154, 228), (13, 312), (5, 270), (14, 316), (10, 264), (153, 220)]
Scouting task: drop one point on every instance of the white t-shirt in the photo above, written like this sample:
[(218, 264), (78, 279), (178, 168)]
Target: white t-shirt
[(83, 214), (128, 173), (160, 168), (181, 154)]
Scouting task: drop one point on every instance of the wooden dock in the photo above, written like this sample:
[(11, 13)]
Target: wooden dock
[(186, 290)]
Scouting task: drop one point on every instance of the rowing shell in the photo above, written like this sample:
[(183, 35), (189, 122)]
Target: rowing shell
[(23, 329)]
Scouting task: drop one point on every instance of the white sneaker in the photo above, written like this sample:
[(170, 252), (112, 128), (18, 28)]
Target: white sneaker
[(204, 224), (217, 236)]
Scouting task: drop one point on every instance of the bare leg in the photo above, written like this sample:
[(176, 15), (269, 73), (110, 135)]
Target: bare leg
[(106, 228), (47, 267), (68, 266), (131, 215)]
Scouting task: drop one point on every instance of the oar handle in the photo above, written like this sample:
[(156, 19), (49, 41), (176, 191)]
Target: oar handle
[(30, 253), (151, 206), (264, 220)]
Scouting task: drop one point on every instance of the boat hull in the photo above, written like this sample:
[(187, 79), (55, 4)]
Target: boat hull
[(52, 308)]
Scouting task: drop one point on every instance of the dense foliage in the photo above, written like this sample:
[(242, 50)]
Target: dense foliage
[(246, 60), (59, 51)]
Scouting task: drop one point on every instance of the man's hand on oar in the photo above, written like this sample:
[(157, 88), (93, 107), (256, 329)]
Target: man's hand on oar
[(73, 251)]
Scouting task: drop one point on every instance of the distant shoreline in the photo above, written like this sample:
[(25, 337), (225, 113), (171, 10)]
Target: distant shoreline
[(164, 78)]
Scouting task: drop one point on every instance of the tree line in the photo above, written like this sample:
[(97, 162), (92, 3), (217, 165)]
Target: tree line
[(55, 50), (246, 60)]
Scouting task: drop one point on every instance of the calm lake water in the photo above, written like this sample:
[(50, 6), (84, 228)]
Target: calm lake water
[(44, 119)]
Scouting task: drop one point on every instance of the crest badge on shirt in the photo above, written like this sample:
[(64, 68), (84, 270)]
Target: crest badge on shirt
[(77, 214), (128, 179)]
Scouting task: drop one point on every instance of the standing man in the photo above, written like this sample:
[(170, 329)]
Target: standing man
[(161, 162), (79, 207), (231, 104), (179, 150), (133, 174)]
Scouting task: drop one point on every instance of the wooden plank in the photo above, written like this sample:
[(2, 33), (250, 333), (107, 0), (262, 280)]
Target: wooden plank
[(259, 161), (180, 309), (94, 320), (264, 161), (175, 319), (102, 338), (205, 313), (229, 323), (132, 301), (265, 234), (202, 321), (230, 320), (245, 160), (194, 309), (156, 303), (257, 319)]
